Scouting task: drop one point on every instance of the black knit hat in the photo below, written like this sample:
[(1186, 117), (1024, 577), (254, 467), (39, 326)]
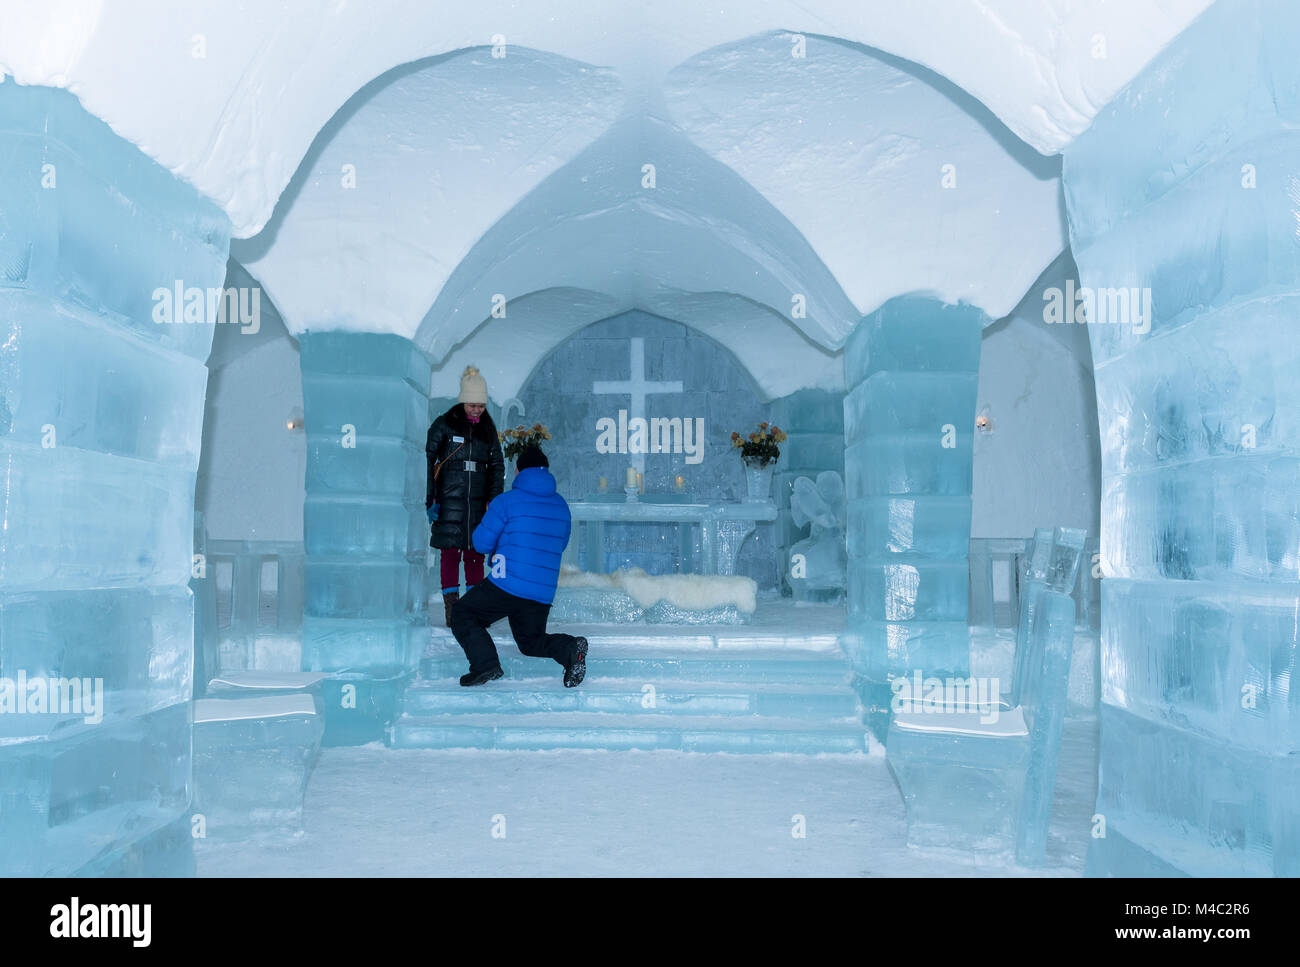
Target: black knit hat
[(531, 457)]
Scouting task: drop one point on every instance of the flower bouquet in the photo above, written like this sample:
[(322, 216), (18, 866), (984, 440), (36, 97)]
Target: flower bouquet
[(760, 447), (520, 438)]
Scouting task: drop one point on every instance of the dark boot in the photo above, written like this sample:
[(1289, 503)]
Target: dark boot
[(449, 599), (576, 670), (481, 678)]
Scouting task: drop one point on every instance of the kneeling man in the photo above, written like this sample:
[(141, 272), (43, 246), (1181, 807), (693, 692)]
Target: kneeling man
[(523, 534)]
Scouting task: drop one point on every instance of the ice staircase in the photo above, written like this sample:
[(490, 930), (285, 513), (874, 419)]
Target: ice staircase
[(698, 689)]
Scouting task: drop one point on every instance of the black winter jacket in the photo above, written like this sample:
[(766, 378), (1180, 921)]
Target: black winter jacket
[(472, 472)]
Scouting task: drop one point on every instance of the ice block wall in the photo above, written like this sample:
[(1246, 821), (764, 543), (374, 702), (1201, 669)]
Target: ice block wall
[(909, 417), (1184, 203), (365, 533), (102, 384)]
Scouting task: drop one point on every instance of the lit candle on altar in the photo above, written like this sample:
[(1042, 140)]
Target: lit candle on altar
[(681, 484), (631, 476), (602, 484)]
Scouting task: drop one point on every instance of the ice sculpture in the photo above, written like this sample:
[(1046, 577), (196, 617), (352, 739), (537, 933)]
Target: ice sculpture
[(101, 410), (365, 532), (974, 774), (817, 563), (908, 425), (1183, 207)]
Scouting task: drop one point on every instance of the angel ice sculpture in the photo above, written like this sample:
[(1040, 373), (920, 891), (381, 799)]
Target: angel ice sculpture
[(818, 563)]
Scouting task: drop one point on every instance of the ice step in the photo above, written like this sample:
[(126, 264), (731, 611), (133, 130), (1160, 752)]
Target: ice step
[(656, 664), (601, 730), (631, 696)]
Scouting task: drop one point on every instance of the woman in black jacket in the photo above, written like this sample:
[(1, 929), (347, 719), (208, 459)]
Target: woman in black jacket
[(465, 471)]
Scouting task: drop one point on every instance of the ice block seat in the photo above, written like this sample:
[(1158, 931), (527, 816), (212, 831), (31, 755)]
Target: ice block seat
[(256, 739), (980, 776)]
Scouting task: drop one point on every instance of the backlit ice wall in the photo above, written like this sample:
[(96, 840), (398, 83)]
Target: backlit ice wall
[(102, 384), (1187, 188), (912, 368), (365, 532)]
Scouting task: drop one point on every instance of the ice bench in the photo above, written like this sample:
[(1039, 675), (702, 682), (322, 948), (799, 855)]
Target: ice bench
[(981, 778), (257, 736)]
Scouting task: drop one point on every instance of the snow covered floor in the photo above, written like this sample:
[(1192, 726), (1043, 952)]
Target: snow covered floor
[(374, 811)]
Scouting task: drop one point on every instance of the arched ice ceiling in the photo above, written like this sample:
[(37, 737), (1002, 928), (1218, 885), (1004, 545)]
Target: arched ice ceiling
[(230, 95), (812, 186), (777, 176)]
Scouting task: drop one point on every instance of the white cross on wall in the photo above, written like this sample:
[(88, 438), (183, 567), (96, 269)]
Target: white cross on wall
[(638, 388)]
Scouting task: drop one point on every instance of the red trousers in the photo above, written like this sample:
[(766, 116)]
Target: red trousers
[(449, 565)]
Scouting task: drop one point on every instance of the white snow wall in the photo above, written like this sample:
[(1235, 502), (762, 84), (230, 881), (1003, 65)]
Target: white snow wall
[(251, 472), (1038, 462), (101, 410)]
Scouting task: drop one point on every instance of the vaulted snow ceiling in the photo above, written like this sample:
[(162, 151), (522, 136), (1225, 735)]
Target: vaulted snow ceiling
[(800, 177)]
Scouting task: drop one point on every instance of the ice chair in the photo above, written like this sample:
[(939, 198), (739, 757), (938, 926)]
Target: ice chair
[(981, 777), (257, 736)]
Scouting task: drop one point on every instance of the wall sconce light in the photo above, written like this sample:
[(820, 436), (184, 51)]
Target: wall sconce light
[(295, 420), (984, 422)]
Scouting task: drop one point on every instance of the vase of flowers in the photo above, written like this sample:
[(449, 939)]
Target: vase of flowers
[(759, 452), (520, 438)]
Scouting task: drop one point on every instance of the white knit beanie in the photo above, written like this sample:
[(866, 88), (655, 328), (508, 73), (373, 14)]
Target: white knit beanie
[(473, 387)]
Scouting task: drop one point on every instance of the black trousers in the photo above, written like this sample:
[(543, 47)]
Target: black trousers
[(487, 604)]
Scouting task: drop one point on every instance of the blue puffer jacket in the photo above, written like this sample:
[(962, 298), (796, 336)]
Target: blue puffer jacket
[(528, 526)]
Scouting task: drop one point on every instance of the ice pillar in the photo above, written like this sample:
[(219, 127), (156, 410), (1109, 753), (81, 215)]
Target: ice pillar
[(365, 532), (106, 266), (912, 371), (1184, 207)]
